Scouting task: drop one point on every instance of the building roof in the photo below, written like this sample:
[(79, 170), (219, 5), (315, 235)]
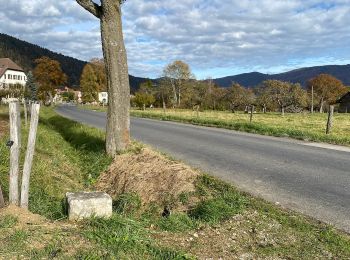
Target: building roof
[(345, 98), (8, 64)]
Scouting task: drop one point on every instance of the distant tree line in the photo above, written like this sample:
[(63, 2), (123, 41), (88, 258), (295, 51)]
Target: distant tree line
[(178, 88)]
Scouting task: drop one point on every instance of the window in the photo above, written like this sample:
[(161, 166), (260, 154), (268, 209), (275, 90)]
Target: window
[(5, 76)]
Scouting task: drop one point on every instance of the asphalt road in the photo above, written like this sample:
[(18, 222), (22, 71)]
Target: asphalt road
[(297, 175)]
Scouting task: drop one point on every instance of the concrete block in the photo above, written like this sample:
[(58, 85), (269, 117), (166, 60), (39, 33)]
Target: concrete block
[(88, 204)]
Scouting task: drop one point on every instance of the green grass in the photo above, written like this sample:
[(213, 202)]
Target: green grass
[(70, 157), (124, 238), (304, 126), (8, 221)]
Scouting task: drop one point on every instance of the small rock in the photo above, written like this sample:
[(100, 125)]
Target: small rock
[(88, 204), (195, 235)]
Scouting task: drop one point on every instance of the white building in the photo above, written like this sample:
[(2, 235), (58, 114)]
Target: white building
[(103, 97), (11, 74)]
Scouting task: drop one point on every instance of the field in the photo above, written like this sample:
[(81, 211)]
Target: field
[(303, 126), (222, 222)]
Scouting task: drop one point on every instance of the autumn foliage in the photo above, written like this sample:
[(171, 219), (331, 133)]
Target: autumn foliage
[(49, 76), (93, 80), (327, 89)]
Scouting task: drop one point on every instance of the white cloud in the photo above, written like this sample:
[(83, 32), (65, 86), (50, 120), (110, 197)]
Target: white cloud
[(209, 35)]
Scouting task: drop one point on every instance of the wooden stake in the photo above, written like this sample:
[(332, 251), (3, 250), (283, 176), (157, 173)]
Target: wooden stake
[(251, 113), (15, 136), (25, 113), (330, 119), (29, 155)]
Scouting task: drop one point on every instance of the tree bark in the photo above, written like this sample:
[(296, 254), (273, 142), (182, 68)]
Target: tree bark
[(115, 57), (264, 109), (164, 107), (321, 105), (118, 121), (251, 113), (282, 110)]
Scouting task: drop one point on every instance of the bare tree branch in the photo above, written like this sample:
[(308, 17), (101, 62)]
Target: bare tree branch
[(90, 6)]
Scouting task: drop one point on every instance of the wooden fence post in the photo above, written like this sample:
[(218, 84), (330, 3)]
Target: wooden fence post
[(251, 113), (25, 112), (15, 137), (330, 119), (29, 155)]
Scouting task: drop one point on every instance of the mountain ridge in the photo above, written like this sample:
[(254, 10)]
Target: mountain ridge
[(24, 53), (301, 75)]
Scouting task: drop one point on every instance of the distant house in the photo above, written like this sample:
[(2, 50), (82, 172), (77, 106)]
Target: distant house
[(103, 97), (344, 103), (11, 74)]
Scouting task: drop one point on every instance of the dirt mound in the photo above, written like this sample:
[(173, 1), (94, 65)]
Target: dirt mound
[(23, 216), (152, 176)]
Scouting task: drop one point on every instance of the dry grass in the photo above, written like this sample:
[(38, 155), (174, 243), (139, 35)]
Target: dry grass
[(26, 235), (153, 177)]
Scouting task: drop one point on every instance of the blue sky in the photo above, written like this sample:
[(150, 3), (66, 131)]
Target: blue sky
[(216, 38)]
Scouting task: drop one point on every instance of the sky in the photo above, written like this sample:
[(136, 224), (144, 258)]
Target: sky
[(215, 37)]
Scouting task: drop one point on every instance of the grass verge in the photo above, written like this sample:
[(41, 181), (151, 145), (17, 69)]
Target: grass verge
[(223, 223)]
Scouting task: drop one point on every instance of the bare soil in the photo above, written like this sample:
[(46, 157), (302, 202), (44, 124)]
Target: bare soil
[(24, 217), (250, 235), (153, 177)]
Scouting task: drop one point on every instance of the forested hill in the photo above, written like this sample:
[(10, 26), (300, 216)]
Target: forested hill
[(301, 76), (24, 54)]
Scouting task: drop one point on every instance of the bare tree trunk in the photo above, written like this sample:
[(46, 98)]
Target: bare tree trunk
[(282, 110), (15, 137), (164, 107), (251, 113), (118, 121), (115, 57), (264, 109), (174, 91), (29, 155), (321, 105)]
